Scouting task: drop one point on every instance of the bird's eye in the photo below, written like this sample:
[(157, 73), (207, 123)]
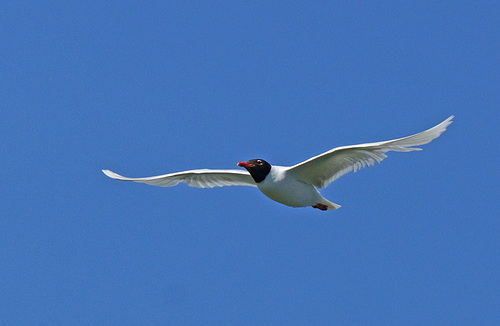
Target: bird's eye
[(259, 162)]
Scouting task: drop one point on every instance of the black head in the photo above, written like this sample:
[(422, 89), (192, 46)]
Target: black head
[(258, 169)]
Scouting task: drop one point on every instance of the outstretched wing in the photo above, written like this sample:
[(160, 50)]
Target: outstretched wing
[(204, 178), (325, 168)]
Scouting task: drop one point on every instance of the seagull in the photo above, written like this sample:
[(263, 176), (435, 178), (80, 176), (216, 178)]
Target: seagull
[(296, 186)]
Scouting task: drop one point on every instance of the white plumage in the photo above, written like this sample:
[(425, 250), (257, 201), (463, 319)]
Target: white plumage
[(325, 168), (203, 178), (296, 186)]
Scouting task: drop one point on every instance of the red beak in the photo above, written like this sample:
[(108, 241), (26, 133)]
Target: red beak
[(244, 165)]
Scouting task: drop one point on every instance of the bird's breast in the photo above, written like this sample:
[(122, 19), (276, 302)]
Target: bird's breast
[(288, 190)]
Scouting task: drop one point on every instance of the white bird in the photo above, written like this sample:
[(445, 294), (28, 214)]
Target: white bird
[(296, 186)]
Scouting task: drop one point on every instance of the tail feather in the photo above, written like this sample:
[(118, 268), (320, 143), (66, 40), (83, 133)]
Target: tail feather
[(329, 204)]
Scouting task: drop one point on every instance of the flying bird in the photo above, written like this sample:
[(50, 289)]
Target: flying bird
[(296, 186)]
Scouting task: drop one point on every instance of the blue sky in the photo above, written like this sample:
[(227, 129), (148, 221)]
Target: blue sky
[(158, 87)]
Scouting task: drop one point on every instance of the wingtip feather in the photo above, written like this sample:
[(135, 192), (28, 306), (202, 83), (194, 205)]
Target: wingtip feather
[(112, 175)]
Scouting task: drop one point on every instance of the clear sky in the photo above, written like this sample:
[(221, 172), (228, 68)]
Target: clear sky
[(147, 88)]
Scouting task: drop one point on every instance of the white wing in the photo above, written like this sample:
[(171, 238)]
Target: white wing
[(325, 168), (195, 178)]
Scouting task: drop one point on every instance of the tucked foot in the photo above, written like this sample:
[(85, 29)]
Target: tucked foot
[(323, 207)]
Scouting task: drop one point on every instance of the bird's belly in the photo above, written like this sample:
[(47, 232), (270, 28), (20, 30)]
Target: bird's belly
[(290, 192)]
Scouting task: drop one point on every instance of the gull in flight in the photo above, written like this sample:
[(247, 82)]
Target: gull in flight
[(297, 185)]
